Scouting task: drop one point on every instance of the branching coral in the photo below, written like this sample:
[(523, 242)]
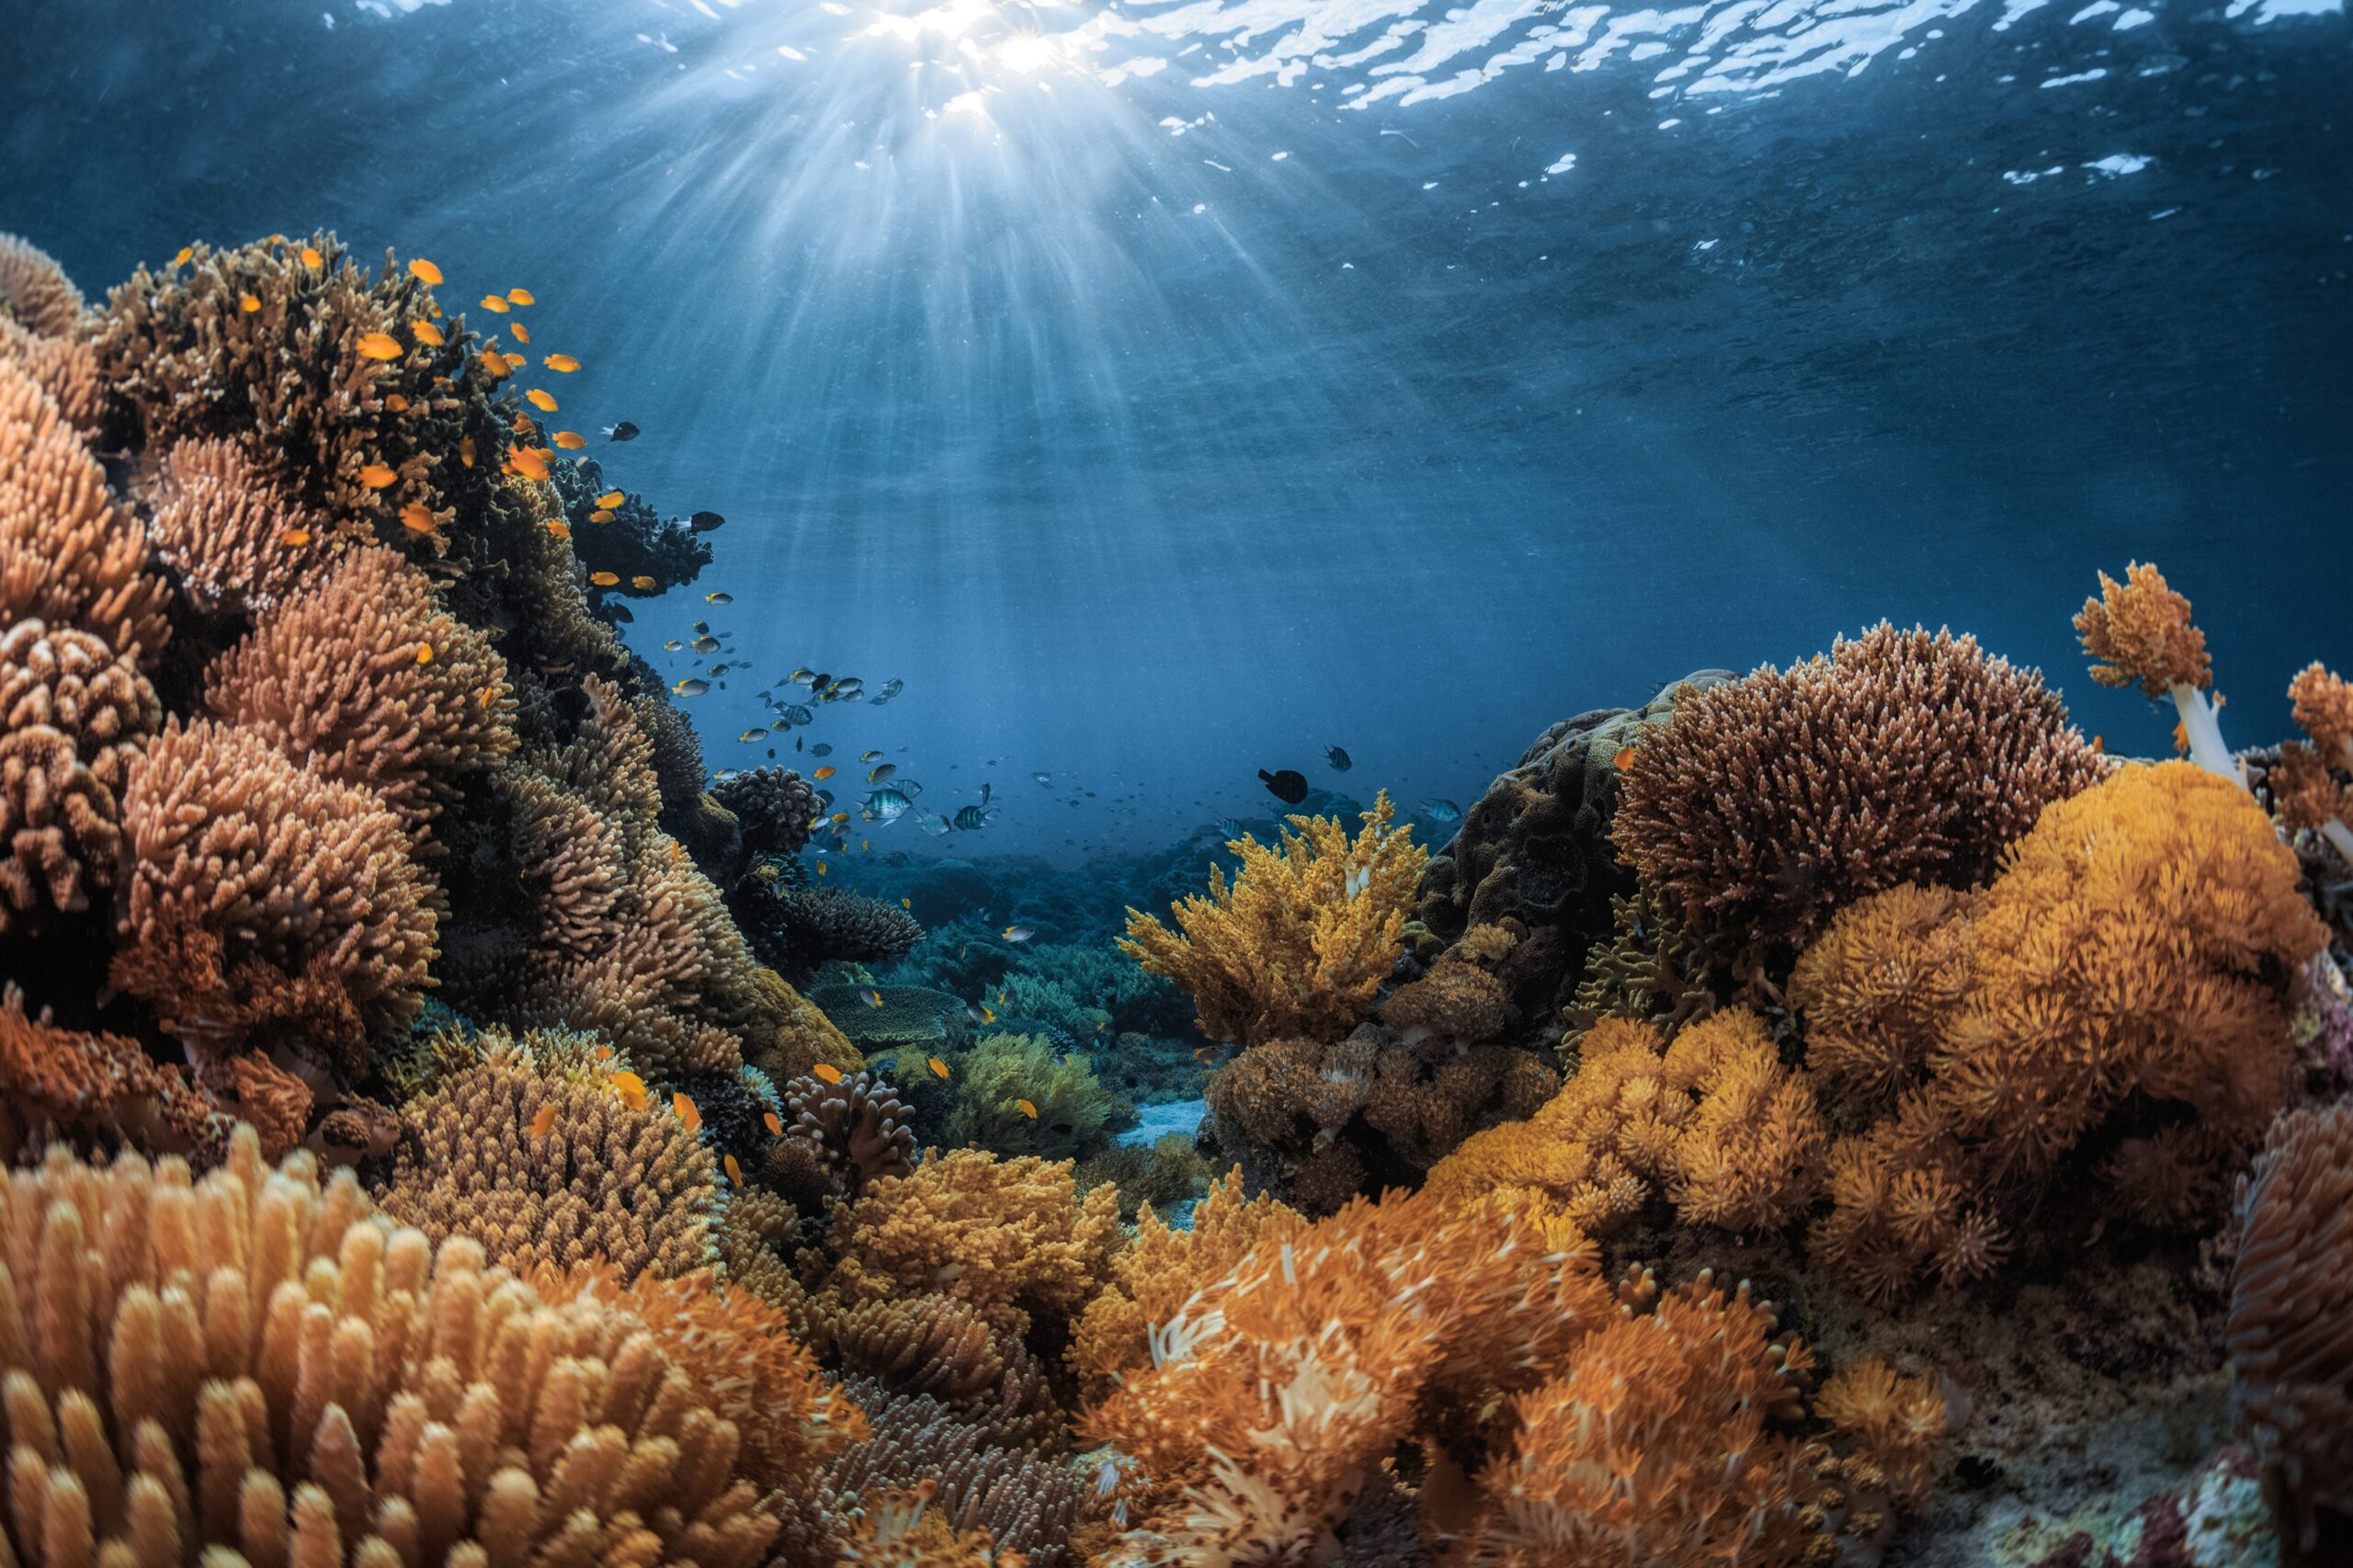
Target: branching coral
[(254, 1368), (1301, 941), (630, 541), (35, 291), (550, 1167), (73, 718), (69, 554), (857, 1128), (95, 1089), (2291, 1330), (1012, 1237), (1765, 805), (1651, 966), (235, 542), (2138, 632), (365, 678), (1070, 1114), (775, 806), (267, 904)]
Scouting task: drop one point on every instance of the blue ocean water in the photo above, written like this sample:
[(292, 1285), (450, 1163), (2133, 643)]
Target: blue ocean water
[(1168, 391)]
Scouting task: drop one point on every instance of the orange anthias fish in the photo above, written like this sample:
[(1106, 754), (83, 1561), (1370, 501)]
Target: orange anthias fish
[(181, 259), (378, 345), (466, 450), (559, 527), (1625, 760), (249, 303), (774, 1123), (396, 402), (571, 440), (295, 536), (601, 515), (310, 256), (644, 584), (938, 1068), (425, 652), (685, 1108), (529, 462), (521, 296), (605, 579), (543, 1120), (415, 518), (513, 362), (611, 498), (493, 304), (631, 1087), (494, 364), (828, 1072), (1026, 1108), (543, 402), (428, 334), (376, 476), (734, 1171), (563, 362), (823, 773), (603, 1053), (424, 271), (522, 334)]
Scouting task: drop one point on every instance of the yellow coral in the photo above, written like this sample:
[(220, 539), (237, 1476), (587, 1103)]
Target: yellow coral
[(2140, 633), (1300, 941), (1892, 1431)]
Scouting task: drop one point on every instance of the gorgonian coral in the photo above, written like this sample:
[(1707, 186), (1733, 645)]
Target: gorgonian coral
[(857, 1128), (35, 291), (554, 1167), (95, 1089), (364, 678), (235, 542), (267, 904), (774, 807), (70, 555), (2290, 1331), (72, 716), (256, 1368), (1299, 943), (1069, 1115), (1767, 804)]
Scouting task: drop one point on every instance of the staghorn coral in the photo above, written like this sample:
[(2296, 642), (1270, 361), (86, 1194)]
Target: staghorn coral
[(267, 904), (1661, 1442), (545, 1166), (69, 554), (366, 679), (798, 930), (1301, 941), (35, 291), (1071, 1116), (1011, 1237), (235, 542), (254, 1368), (94, 1089), (745, 1366), (72, 717), (1767, 804), (857, 1128), (2290, 1328), (775, 806)]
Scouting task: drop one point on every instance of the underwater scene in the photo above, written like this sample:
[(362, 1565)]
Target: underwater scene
[(1175, 784)]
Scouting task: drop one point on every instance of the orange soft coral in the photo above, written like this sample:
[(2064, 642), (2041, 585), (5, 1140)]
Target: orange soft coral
[(1878, 986), (2304, 783), (364, 678), (2139, 632), (1299, 943)]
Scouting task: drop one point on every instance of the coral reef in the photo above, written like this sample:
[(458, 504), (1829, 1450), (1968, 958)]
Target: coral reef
[(237, 544), (1300, 939), (73, 715), (775, 806), (1765, 804), (546, 1164), (798, 930), (855, 1128), (35, 291), (1026, 1503), (630, 540), (1069, 1114), (96, 1089)]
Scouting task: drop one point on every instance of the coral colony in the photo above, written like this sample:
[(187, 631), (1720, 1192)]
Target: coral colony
[(444, 1124)]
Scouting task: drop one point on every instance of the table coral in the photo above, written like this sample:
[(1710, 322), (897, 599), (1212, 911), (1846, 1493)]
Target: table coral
[(267, 904), (798, 930), (364, 677), (1767, 804), (606, 1175), (1299, 943), (254, 1368), (73, 715), (2291, 1330), (236, 543)]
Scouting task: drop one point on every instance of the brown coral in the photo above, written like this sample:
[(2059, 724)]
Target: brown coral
[(237, 543), (1301, 941), (73, 718), (364, 678), (2324, 710), (1878, 985), (2290, 1331), (1026, 1502), (545, 1166), (255, 1365), (93, 1088), (35, 290), (857, 1128), (1765, 805), (2139, 632), (69, 555), (267, 904), (64, 368)]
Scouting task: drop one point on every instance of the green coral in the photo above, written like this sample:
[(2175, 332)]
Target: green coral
[(1075, 1114)]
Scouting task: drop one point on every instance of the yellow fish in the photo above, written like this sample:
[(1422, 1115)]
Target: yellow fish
[(611, 498), (247, 303), (563, 362), (685, 1106), (493, 304), (821, 867), (425, 652), (542, 400), (415, 518), (1026, 1108), (295, 536), (424, 271), (628, 1083), (428, 334), (543, 1121), (605, 579), (310, 256), (513, 362), (494, 365), (825, 772), (466, 450), (376, 476), (828, 1072), (571, 440), (643, 582), (521, 296), (906, 903), (774, 1125), (734, 1171), (601, 515), (529, 462), (938, 1068), (522, 334), (871, 997), (181, 259), (395, 403)]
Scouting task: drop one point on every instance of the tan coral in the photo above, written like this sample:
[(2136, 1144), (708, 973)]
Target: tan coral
[(366, 678), (254, 1368), (64, 368), (73, 718), (92, 1087), (267, 904), (548, 1167), (35, 290), (2139, 632), (1878, 985), (238, 542), (266, 1097)]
